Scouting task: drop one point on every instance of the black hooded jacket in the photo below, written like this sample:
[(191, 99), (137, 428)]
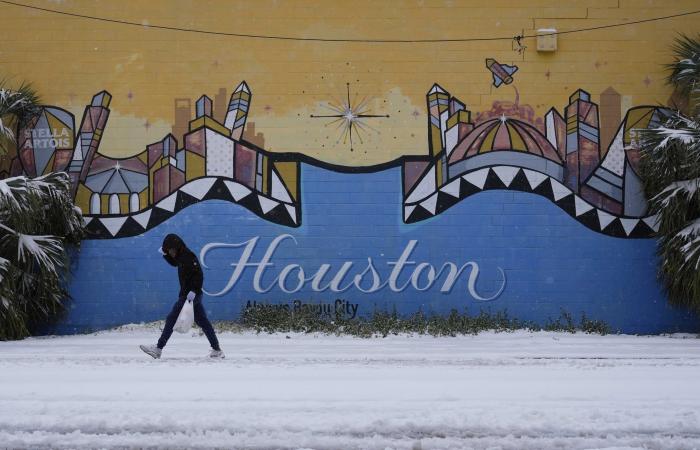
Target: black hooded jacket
[(188, 270)]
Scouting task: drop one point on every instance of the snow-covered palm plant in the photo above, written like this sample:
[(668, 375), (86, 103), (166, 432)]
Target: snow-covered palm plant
[(670, 162), (16, 106), (37, 222)]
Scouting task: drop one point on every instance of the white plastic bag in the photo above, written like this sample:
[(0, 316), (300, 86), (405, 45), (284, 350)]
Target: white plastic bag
[(186, 318)]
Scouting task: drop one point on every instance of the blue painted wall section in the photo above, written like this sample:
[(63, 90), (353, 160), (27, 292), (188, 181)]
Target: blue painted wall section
[(551, 261)]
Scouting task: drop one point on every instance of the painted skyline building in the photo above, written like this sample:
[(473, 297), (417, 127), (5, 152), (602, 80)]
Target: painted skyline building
[(463, 158), (116, 189), (508, 153)]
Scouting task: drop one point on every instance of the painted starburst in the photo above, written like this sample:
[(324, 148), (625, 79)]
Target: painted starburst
[(350, 118)]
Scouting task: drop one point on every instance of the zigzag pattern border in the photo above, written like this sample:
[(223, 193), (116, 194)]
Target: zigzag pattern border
[(527, 180), (194, 191)]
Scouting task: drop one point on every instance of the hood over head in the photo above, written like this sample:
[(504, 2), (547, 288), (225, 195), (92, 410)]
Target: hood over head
[(173, 241)]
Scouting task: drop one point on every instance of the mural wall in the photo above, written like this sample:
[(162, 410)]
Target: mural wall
[(595, 183), (360, 181)]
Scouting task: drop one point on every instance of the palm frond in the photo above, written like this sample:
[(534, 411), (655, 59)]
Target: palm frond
[(685, 71), (37, 221), (670, 170), (16, 106)]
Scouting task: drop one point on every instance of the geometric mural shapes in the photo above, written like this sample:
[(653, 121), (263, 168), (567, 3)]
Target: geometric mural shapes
[(143, 218), (288, 172), (158, 216), (445, 201), (493, 181), (251, 203), (59, 118), (115, 185), (198, 188), (652, 222), (78, 153), (98, 181), (629, 225), (218, 191), (604, 219), (278, 214), (589, 219), (184, 200), (637, 118), (436, 89), (506, 173), (635, 203), (292, 212), (466, 188), (407, 210), (534, 178), (559, 190), (238, 191), (451, 188), (641, 230), (430, 203), (510, 136), (96, 229), (615, 229), (220, 153), (279, 191), (412, 171), (419, 213), (238, 110), (610, 187), (113, 224), (477, 178), (615, 158), (568, 204), (168, 203), (129, 228), (520, 182), (581, 206), (135, 181), (545, 189), (266, 204), (245, 168), (575, 206), (425, 187), (43, 148)]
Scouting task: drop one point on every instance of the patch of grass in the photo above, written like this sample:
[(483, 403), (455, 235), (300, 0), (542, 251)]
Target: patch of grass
[(277, 318)]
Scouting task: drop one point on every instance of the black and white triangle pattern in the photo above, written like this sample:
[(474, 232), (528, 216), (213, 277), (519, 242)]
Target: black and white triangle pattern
[(201, 189), (526, 180)]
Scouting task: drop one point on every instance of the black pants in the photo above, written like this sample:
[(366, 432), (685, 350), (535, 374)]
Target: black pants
[(200, 318)]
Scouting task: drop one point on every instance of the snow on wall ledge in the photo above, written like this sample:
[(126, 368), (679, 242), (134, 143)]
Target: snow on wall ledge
[(498, 250)]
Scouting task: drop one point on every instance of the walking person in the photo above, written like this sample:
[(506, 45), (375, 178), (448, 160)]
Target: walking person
[(176, 253)]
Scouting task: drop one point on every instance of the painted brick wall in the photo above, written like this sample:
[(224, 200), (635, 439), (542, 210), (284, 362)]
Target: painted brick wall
[(551, 262), (70, 59), (550, 259)]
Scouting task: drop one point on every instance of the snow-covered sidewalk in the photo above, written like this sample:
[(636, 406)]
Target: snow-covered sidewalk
[(509, 390)]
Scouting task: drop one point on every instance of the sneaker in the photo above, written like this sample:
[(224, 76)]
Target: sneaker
[(151, 350), (216, 354)]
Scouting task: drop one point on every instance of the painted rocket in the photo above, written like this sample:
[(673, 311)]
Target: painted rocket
[(501, 72)]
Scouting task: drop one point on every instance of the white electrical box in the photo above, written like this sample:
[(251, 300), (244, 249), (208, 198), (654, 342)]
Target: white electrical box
[(546, 40)]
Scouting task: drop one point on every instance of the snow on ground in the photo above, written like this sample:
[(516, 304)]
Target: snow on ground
[(492, 391)]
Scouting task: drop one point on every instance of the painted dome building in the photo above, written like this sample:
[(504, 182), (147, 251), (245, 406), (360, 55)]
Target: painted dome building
[(116, 186), (505, 141)]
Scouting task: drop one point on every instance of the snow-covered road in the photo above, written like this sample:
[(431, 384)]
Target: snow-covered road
[(498, 391)]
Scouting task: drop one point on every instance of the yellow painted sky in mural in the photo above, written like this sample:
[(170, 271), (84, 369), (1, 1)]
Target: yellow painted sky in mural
[(146, 70)]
